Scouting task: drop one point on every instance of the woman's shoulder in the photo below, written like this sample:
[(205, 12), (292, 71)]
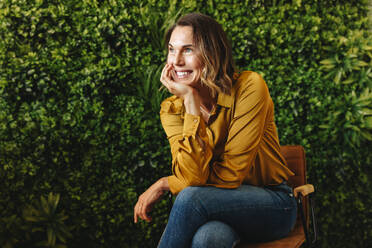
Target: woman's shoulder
[(249, 81), (171, 104), (246, 77)]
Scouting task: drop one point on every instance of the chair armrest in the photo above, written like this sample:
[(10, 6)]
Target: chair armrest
[(300, 192), (304, 190)]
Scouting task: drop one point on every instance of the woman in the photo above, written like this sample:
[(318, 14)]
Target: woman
[(228, 173)]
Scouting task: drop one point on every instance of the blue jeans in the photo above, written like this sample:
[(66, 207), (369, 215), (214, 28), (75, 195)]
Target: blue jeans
[(216, 217)]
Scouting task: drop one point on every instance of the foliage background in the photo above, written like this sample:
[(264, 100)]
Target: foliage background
[(79, 111)]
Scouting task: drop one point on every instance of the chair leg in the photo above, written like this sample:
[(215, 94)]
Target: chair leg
[(300, 199), (313, 219), (303, 219)]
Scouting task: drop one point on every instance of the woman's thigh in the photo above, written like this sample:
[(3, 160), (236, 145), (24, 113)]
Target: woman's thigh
[(256, 213)]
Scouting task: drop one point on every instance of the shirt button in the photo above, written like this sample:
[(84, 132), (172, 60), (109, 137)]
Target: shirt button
[(195, 120)]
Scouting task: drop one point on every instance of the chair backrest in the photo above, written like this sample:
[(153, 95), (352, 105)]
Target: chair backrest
[(296, 161)]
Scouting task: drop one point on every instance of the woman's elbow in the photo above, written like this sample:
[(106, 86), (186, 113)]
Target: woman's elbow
[(195, 181)]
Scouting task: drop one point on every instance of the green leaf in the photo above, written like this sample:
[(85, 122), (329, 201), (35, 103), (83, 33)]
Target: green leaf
[(348, 81), (338, 76), (361, 63), (367, 135), (54, 201), (329, 62), (44, 205), (51, 237), (31, 218)]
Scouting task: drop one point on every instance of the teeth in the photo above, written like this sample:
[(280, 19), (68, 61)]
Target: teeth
[(182, 73)]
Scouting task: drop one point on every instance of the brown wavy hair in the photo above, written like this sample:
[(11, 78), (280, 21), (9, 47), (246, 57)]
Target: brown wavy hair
[(215, 49)]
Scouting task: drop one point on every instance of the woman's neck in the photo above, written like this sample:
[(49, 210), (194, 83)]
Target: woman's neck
[(207, 101)]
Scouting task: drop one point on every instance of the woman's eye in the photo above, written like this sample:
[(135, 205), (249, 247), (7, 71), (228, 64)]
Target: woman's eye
[(171, 50), (188, 50)]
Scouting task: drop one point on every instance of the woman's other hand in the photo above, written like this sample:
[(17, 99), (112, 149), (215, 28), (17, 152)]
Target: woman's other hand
[(147, 199)]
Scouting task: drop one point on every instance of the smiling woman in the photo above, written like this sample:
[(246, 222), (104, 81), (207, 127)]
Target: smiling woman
[(227, 170), (208, 42)]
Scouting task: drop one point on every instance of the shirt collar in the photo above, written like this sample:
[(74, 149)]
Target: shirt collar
[(225, 100)]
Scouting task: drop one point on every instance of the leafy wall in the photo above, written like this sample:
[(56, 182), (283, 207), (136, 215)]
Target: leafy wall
[(79, 111)]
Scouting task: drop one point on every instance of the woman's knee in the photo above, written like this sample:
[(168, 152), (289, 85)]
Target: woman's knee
[(215, 234), (187, 197), (187, 203)]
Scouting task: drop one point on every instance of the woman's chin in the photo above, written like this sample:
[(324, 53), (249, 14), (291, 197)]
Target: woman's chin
[(187, 81), (184, 81)]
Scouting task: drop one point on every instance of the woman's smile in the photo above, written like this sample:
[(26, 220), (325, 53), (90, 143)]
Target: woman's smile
[(182, 75)]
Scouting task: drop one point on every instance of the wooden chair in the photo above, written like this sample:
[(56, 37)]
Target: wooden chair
[(295, 157)]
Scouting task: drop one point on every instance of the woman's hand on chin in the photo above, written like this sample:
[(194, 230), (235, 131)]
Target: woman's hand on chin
[(179, 89)]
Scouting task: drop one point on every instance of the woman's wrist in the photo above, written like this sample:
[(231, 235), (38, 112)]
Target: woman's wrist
[(192, 102), (163, 184)]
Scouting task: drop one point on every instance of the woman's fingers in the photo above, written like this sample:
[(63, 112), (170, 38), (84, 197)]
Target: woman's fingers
[(142, 211), (166, 78), (145, 211), (138, 211), (145, 203), (169, 70), (135, 215), (163, 74)]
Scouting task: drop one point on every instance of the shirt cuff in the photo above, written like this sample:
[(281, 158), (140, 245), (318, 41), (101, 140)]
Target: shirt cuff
[(191, 124), (175, 185)]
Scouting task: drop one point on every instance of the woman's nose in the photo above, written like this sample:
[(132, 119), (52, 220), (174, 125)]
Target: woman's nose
[(179, 59)]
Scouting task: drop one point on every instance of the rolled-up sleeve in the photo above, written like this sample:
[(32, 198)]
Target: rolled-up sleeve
[(191, 152)]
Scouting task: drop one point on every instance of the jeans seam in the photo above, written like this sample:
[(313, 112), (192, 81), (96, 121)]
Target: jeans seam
[(268, 207)]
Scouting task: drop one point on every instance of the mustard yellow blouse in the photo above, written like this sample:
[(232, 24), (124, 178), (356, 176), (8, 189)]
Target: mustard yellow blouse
[(239, 144)]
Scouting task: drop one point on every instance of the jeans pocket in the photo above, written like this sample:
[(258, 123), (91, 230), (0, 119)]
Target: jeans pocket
[(281, 187), (283, 196)]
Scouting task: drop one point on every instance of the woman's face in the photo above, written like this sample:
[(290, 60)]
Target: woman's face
[(184, 57)]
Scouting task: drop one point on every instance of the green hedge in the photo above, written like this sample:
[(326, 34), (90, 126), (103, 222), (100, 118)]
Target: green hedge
[(79, 106)]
